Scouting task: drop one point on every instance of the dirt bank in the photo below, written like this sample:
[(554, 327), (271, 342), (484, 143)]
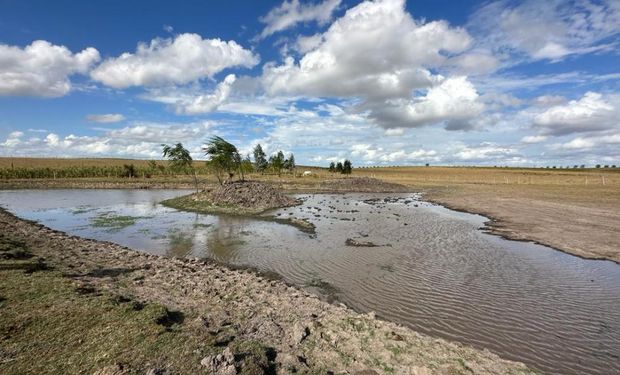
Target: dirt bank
[(241, 197), (147, 313)]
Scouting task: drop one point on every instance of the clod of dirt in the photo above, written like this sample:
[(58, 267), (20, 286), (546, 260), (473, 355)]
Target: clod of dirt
[(302, 224), (223, 363), (356, 243)]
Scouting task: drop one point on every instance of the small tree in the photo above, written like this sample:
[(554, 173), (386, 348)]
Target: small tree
[(339, 167), (276, 162), (180, 160), (347, 168), (246, 167), (332, 167), (260, 159), (223, 158), (291, 164), (129, 170), (178, 156)]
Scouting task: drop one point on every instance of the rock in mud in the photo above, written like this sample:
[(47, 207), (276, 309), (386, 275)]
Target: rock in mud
[(302, 224), (299, 333), (221, 364), (357, 243)]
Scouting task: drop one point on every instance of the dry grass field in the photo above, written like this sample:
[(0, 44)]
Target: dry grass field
[(574, 210), (6, 162)]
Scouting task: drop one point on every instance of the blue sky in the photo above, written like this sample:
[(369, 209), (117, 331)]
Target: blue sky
[(384, 82)]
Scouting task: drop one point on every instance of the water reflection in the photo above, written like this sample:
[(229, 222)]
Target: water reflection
[(226, 238), (180, 243)]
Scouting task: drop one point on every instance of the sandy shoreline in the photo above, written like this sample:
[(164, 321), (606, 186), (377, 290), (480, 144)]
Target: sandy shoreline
[(305, 332)]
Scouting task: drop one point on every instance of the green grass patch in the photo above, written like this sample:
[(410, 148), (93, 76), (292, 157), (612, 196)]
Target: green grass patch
[(114, 222), (49, 327), (82, 210)]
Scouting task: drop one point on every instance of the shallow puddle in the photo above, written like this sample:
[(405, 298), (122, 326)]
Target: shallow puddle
[(430, 268)]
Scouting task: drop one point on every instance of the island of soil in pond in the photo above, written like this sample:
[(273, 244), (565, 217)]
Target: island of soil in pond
[(239, 198)]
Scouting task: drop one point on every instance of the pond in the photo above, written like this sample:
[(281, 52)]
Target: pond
[(432, 268)]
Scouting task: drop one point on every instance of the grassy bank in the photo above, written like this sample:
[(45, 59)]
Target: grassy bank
[(71, 327)]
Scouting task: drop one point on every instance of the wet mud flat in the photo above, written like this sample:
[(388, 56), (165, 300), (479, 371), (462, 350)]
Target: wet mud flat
[(411, 262), (214, 318)]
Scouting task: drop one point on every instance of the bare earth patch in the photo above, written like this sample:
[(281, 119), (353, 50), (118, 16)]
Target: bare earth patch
[(564, 221), (362, 185), (247, 197), (134, 312)]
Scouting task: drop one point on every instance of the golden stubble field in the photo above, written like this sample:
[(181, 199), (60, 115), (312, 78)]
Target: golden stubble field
[(6, 162)]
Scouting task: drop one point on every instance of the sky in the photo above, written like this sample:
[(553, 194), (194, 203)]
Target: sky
[(379, 82)]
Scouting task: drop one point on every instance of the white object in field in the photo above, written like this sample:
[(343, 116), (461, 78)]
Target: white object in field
[(307, 173)]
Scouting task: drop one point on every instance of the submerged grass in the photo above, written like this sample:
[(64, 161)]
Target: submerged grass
[(114, 222)]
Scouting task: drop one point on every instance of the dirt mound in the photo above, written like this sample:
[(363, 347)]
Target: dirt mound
[(251, 195), (248, 194), (363, 185)]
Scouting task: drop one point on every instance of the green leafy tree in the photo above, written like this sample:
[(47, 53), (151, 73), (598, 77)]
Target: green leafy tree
[(224, 158), (332, 167), (260, 159), (289, 164), (276, 162), (178, 156), (347, 167), (246, 167), (339, 167)]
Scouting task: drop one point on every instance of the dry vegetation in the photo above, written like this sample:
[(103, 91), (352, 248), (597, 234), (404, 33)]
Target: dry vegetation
[(6, 162)]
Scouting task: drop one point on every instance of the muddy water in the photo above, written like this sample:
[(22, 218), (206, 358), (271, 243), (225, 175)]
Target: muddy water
[(432, 268)]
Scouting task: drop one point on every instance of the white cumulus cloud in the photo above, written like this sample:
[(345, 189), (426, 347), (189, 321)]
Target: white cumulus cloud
[(41, 68), (593, 112), (454, 101), (376, 52), (186, 58)]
